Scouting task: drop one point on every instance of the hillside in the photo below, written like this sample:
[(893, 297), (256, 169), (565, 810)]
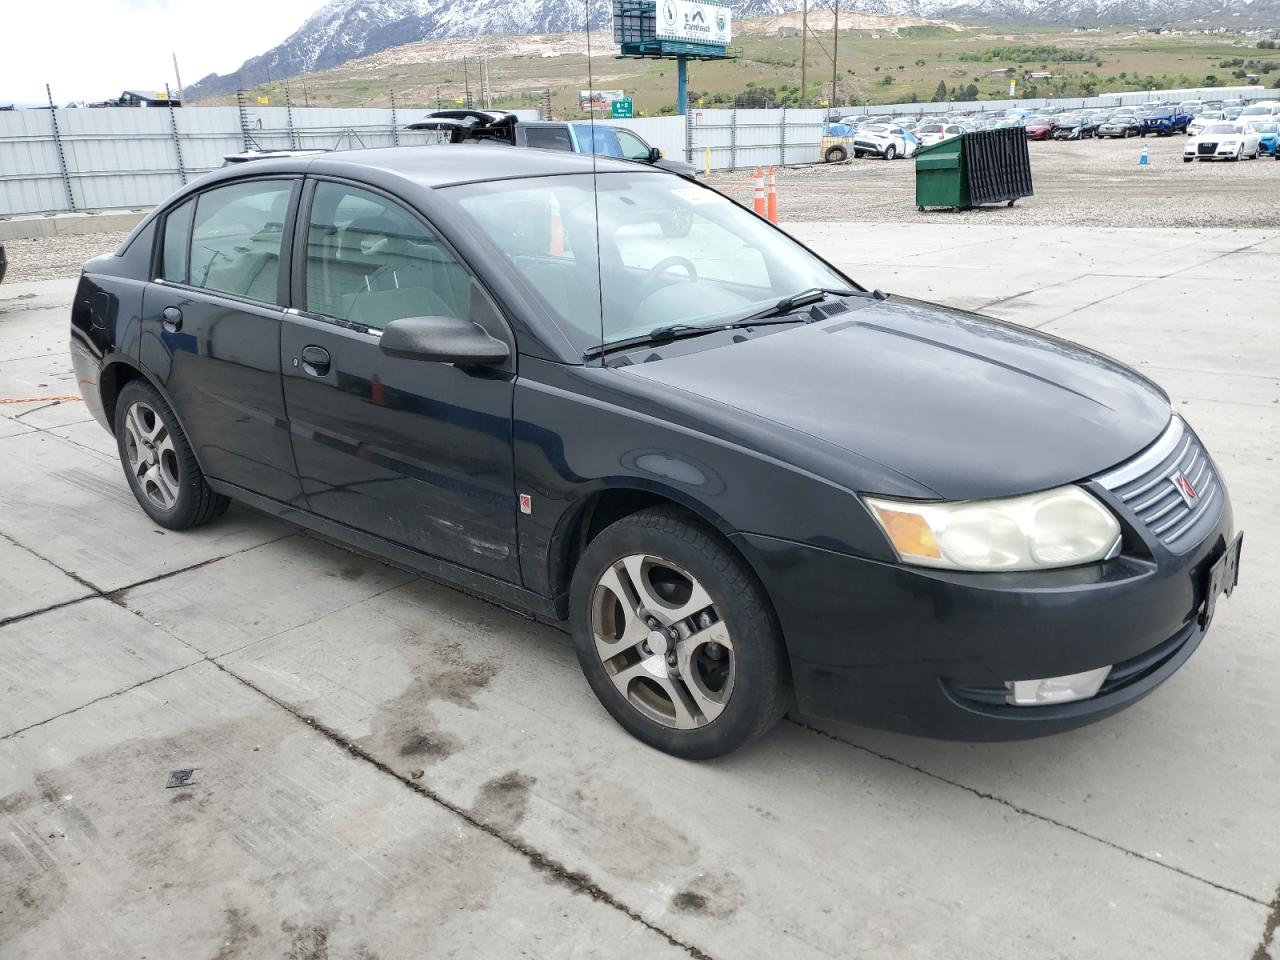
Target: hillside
[(345, 30), (882, 60)]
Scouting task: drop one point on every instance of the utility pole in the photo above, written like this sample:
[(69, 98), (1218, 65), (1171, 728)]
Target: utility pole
[(835, 51), (178, 76), (804, 50), (466, 84)]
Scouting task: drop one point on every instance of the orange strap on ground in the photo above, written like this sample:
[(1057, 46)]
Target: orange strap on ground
[(68, 396)]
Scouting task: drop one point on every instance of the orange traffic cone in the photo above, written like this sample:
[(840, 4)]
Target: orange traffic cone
[(773, 197), (556, 247), (759, 201)]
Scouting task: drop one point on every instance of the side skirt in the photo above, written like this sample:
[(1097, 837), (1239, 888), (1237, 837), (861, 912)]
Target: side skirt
[(508, 595)]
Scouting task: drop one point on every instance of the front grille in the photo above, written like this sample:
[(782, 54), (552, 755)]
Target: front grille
[(1207, 149), (1146, 485)]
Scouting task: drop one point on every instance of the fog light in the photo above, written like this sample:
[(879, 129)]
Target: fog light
[(1074, 686)]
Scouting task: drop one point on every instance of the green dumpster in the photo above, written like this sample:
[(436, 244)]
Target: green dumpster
[(941, 177)]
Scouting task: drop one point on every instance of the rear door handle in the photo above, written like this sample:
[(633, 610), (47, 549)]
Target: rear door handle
[(172, 321), (315, 360)]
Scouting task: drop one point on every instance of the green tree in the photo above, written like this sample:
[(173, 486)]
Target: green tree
[(919, 63), (940, 95)]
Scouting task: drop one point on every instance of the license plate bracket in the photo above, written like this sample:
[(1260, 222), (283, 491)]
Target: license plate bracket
[(1222, 579)]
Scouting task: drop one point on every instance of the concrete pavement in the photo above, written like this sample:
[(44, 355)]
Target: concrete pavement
[(388, 768)]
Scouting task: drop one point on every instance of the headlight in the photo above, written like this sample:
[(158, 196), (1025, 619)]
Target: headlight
[(1058, 528)]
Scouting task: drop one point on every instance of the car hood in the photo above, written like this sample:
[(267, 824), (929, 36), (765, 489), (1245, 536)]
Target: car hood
[(966, 406)]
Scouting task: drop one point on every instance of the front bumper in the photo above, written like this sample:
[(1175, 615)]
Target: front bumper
[(926, 651)]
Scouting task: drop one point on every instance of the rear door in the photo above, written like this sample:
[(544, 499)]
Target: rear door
[(414, 452), (211, 329)]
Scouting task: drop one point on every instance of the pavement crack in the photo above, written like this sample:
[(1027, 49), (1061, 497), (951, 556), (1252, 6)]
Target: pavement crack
[(18, 618), (1024, 811), (59, 567), (90, 703), (574, 880), (1263, 952)]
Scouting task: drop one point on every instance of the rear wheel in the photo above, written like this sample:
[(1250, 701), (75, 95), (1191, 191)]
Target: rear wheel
[(676, 636), (159, 463)]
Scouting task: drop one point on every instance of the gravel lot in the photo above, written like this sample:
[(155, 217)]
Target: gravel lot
[(1090, 183), (1087, 183), (49, 258)]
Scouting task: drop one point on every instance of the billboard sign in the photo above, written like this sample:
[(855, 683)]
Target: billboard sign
[(598, 99), (695, 21)]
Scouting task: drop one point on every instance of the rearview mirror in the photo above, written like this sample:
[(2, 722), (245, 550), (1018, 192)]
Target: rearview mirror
[(442, 340), (655, 154)]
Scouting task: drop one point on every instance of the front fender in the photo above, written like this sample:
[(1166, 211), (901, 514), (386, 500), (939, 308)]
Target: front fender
[(570, 446)]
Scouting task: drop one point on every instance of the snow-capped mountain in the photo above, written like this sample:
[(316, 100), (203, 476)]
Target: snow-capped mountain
[(343, 30)]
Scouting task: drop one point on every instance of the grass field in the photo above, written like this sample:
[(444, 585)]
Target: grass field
[(874, 66)]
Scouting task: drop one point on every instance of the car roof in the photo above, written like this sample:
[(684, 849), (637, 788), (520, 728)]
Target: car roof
[(438, 166)]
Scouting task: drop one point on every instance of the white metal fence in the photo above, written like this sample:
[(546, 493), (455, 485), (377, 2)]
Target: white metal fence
[(59, 160)]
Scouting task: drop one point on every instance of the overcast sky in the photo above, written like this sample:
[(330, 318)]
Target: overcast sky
[(93, 49)]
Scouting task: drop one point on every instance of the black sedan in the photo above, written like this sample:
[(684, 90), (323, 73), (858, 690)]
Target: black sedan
[(746, 482)]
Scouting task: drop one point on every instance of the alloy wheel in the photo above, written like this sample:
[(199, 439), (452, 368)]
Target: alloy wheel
[(153, 461), (662, 641)]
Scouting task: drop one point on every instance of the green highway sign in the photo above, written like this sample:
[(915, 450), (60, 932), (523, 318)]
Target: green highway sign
[(622, 109)]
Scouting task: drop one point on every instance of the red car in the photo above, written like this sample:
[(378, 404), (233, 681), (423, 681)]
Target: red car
[(1040, 128)]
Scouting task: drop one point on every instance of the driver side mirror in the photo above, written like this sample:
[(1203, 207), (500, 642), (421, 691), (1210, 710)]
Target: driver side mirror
[(655, 154), (442, 340)]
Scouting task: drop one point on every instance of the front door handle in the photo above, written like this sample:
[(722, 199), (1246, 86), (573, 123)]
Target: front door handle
[(315, 360), (172, 321)]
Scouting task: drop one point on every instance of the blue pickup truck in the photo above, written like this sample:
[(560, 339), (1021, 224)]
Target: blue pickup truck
[(1165, 122)]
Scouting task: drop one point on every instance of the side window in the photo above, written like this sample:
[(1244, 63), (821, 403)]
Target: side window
[(370, 261), (633, 148), (235, 242), (548, 138), (177, 237)]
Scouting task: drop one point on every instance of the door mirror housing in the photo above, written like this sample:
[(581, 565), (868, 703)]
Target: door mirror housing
[(443, 340), (655, 154)]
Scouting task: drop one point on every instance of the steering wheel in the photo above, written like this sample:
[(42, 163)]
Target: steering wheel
[(650, 283)]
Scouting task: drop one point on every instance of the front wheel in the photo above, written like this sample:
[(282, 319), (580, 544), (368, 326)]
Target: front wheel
[(676, 636), (159, 463), (890, 152)]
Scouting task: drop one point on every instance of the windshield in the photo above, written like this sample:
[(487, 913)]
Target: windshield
[(1256, 112), (669, 252), (1223, 128)]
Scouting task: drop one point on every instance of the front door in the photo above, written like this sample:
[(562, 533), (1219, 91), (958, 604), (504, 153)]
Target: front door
[(211, 330), (417, 453)]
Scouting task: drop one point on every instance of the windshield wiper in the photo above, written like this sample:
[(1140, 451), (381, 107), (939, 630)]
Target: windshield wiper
[(681, 331), (790, 304), (663, 334)]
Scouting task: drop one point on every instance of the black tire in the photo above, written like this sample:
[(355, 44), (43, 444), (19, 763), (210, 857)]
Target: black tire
[(890, 152), (1187, 159), (195, 503), (761, 686), (836, 155)]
